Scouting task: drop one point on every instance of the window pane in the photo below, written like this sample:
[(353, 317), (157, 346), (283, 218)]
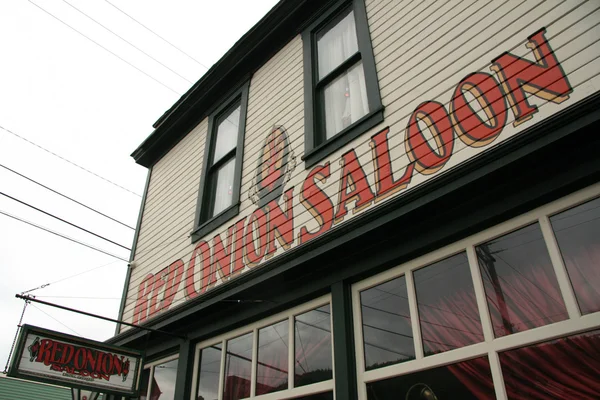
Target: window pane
[(336, 43), (447, 307), (224, 187), (345, 100), (144, 380), (163, 385), (313, 347), (567, 368), (272, 368), (578, 234), (320, 396), (210, 369), (465, 380), (238, 366), (520, 284), (386, 324), (227, 134)]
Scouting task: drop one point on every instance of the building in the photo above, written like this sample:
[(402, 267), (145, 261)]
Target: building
[(383, 199)]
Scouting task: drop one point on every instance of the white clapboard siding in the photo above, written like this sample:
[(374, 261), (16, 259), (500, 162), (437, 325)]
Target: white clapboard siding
[(422, 50)]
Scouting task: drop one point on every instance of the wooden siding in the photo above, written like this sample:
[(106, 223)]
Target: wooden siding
[(422, 51)]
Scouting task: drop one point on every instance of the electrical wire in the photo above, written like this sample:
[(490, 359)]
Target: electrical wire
[(128, 42), (67, 197), (157, 35), (69, 161), (50, 316), (63, 220), (62, 236), (106, 49)]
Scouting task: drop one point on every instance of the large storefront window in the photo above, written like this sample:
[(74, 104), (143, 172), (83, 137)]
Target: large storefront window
[(157, 381), (289, 355), (509, 313)]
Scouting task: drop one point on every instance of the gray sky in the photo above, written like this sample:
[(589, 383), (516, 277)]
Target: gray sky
[(70, 96)]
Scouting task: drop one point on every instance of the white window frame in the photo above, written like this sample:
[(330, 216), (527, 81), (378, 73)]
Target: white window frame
[(290, 392), (491, 346), (151, 366)]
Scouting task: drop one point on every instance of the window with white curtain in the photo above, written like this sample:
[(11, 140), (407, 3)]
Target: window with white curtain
[(219, 193), (341, 89)]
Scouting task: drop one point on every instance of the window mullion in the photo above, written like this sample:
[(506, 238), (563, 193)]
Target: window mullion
[(564, 283), (339, 70), (224, 159), (291, 352), (482, 306), (254, 365), (151, 377), (222, 368), (414, 315), (497, 378)]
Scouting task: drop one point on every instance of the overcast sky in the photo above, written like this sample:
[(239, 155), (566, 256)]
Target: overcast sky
[(67, 94)]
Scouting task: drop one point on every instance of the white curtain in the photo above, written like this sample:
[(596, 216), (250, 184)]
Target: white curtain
[(346, 96)]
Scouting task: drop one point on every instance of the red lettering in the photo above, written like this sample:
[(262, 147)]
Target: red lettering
[(385, 184), (173, 281), (544, 78), (238, 264), (159, 282), (281, 225), (354, 186), (141, 305), (206, 276), (222, 255), (67, 353), (80, 358), (317, 202), (473, 130), (44, 351), (254, 255), (429, 160)]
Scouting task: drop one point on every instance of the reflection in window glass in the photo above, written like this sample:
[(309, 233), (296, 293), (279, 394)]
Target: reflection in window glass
[(448, 310), (313, 347), (227, 134), (163, 384), (345, 100), (520, 284), (238, 367), (465, 380), (578, 234), (387, 331), (567, 368), (272, 367), (210, 369)]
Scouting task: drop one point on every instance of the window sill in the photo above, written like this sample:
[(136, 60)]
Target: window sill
[(313, 156), (214, 222)]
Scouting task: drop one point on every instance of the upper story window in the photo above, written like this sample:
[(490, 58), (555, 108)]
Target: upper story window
[(219, 193), (342, 98)]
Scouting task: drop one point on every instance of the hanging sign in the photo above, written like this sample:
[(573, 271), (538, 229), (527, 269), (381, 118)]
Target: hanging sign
[(52, 357)]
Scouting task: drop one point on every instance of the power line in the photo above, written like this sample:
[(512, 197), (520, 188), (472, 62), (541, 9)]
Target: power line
[(157, 35), (68, 161), (106, 49), (128, 42), (61, 235), (63, 220), (67, 197), (72, 330)]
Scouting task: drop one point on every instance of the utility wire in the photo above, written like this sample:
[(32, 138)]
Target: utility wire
[(128, 42), (157, 35), (68, 161), (66, 197), (50, 316), (106, 49), (77, 297), (63, 220), (61, 235)]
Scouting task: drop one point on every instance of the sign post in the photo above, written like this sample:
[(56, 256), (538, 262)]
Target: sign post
[(52, 357)]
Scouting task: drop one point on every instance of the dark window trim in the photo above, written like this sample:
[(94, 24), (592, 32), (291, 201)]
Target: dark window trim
[(203, 224), (314, 149)]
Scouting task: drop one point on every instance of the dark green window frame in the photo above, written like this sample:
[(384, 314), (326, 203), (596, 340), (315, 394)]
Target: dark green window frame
[(316, 147), (204, 221)]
